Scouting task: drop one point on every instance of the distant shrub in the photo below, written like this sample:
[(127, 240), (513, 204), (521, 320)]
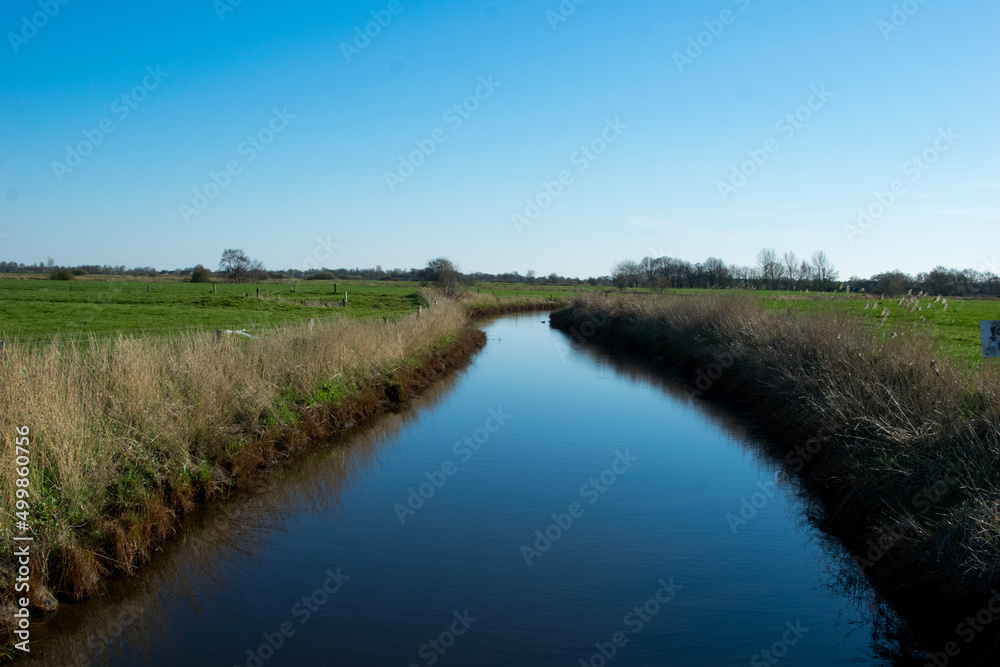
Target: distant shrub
[(79, 272), (201, 275), (62, 274), (322, 275)]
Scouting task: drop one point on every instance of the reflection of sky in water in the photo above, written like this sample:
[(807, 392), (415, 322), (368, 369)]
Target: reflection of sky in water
[(240, 571)]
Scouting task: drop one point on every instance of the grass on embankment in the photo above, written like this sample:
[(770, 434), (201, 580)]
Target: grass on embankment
[(128, 433), (904, 453)]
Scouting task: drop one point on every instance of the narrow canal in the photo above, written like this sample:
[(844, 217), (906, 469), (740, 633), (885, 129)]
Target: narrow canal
[(548, 505)]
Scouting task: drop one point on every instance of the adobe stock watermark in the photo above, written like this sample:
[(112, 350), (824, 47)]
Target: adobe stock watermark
[(248, 150), (302, 611), (322, 252), (591, 491), (913, 170), (454, 116), (464, 449), (562, 13), (435, 648), (708, 374), (580, 333), (697, 45), (901, 15), (779, 649), (634, 621), (749, 507), (582, 158), (364, 35), (223, 7), (786, 127), (98, 645), (122, 107), (968, 630), (30, 25), (924, 501)]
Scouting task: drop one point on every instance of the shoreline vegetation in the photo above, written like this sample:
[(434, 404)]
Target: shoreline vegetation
[(129, 434), (899, 442)]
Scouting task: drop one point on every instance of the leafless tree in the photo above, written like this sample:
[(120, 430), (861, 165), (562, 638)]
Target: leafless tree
[(767, 261), (237, 266), (626, 273), (444, 274), (791, 266)]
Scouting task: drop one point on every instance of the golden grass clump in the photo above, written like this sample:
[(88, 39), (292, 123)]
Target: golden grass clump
[(124, 431)]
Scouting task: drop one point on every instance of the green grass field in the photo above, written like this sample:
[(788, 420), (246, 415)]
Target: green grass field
[(34, 310), (38, 310), (955, 327)]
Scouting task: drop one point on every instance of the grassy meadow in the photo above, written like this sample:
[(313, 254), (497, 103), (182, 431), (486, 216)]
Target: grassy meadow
[(34, 310)]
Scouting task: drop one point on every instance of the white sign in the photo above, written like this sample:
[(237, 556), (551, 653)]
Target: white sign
[(991, 338)]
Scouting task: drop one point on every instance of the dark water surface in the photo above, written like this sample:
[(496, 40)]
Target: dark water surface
[(648, 486)]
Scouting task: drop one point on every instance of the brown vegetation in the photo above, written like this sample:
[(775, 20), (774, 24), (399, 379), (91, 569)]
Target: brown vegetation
[(128, 434), (901, 445)]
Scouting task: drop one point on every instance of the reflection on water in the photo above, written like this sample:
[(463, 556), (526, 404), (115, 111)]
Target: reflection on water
[(126, 625), (235, 575)]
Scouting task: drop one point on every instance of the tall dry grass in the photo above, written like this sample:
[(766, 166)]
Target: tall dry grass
[(907, 438), (115, 421)]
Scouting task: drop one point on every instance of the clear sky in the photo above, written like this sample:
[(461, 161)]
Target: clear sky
[(309, 118)]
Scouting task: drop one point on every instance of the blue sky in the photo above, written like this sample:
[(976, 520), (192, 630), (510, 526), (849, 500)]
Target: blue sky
[(874, 84)]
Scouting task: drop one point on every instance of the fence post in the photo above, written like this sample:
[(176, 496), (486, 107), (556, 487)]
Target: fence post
[(258, 292), (420, 309), (213, 288), (293, 288), (218, 336), (312, 322), (147, 288), (345, 299), (335, 288), (1, 348)]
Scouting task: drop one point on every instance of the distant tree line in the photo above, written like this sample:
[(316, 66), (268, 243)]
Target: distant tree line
[(789, 272), (771, 271)]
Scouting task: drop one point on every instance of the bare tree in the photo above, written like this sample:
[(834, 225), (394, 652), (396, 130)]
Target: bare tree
[(767, 260), (791, 265), (626, 273), (717, 271), (822, 269), (444, 274), (236, 265)]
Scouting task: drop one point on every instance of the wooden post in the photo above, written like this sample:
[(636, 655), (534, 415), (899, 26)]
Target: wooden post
[(345, 299), (293, 288), (258, 292), (312, 323), (335, 288), (218, 336), (1, 348), (420, 309), (213, 288), (147, 288)]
